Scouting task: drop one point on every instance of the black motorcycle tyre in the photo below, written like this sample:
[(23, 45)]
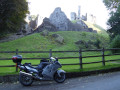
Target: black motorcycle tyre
[(59, 79), (25, 80)]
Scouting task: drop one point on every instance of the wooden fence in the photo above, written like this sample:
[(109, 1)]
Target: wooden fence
[(50, 52)]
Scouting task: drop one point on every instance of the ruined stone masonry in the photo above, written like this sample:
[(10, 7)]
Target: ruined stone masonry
[(73, 16), (88, 17), (58, 21)]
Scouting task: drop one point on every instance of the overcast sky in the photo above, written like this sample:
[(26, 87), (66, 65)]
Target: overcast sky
[(45, 7)]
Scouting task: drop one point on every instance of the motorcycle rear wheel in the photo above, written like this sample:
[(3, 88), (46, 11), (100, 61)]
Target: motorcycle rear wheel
[(59, 79), (25, 80)]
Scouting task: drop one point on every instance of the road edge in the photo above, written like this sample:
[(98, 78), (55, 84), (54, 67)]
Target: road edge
[(14, 78)]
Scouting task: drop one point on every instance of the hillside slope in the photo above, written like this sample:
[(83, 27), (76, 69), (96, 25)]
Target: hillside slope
[(38, 42), (96, 27)]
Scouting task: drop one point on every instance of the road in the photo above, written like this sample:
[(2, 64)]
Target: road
[(109, 81)]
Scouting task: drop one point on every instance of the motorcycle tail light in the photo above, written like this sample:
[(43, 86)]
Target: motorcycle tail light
[(14, 58)]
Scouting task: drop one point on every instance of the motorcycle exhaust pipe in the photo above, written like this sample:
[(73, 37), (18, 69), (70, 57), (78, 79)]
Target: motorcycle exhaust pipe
[(26, 73)]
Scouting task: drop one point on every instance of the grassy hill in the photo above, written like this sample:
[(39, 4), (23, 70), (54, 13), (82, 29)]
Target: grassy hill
[(38, 42), (96, 27)]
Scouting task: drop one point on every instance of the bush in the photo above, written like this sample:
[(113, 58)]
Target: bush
[(97, 43), (115, 44), (45, 33), (84, 34)]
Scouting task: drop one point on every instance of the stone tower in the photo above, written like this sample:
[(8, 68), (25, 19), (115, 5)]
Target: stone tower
[(79, 9)]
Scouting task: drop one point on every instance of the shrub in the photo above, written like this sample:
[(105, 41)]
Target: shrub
[(115, 44), (84, 34), (97, 43), (45, 33)]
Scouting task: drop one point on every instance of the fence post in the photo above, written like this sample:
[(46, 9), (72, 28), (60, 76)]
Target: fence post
[(103, 57), (80, 58), (16, 63), (50, 53)]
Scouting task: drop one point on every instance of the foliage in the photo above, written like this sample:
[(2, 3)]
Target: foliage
[(114, 20), (33, 17), (97, 43), (111, 4), (115, 43), (12, 15)]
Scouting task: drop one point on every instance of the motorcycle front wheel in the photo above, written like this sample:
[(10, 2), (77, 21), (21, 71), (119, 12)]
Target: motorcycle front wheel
[(25, 80), (59, 79)]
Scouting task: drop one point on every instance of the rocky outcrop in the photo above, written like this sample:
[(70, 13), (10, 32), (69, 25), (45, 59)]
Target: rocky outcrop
[(58, 38), (45, 33), (46, 25), (80, 22)]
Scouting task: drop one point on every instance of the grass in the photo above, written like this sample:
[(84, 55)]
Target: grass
[(37, 42), (71, 68)]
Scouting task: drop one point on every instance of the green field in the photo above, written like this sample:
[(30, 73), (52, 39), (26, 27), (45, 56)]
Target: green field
[(68, 68), (37, 42)]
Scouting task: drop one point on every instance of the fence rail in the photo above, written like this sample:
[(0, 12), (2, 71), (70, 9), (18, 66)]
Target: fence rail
[(80, 57)]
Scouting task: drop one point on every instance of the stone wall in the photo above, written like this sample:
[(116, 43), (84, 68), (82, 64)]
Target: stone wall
[(62, 23), (59, 19)]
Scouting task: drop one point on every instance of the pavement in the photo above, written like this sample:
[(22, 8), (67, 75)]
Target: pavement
[(108, 81)]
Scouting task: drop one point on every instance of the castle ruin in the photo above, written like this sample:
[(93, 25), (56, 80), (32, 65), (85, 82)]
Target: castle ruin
[(58, 21), (87, 17)]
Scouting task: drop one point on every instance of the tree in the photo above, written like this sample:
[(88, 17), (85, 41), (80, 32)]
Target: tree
[(111, 4), (114, 23), (12, 15), (114, 20), (115, 44)]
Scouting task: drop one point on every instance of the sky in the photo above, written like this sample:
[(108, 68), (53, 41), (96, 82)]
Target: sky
[(45, 7)]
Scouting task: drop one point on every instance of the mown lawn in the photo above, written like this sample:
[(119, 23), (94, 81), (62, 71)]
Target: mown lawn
[(67, 68)]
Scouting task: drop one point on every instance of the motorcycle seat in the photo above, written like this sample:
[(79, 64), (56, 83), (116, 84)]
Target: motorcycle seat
[(29, 64)]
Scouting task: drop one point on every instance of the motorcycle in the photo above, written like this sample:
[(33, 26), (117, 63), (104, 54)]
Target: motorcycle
[(46, 70)]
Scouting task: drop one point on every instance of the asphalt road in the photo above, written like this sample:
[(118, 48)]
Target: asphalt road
[(109, 81)]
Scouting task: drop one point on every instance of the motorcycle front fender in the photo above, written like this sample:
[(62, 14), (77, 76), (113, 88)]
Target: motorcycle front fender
[(60, 71)]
